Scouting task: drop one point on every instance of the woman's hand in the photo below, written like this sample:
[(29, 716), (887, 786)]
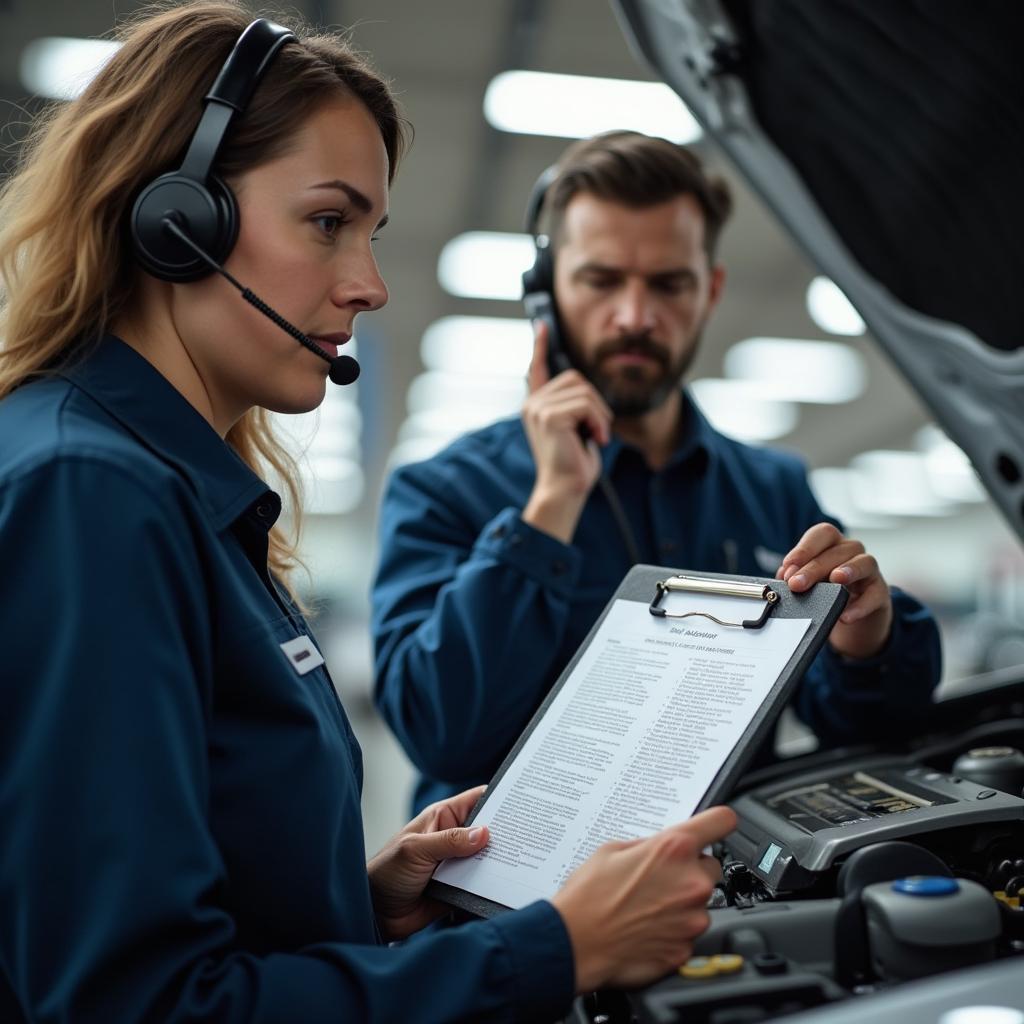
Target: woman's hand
[(634, 908), (399, 873)]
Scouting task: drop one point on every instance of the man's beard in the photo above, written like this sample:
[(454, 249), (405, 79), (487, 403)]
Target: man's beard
[(635, 390)]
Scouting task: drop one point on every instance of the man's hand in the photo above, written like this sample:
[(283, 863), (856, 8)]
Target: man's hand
[(567, 468), (823, 553), (399, 873)]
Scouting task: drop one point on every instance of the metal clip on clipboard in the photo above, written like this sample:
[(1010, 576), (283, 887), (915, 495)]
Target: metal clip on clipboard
[(727, 588)]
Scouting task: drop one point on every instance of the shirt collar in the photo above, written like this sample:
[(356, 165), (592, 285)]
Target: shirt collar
[(695, 449), (146, 404)]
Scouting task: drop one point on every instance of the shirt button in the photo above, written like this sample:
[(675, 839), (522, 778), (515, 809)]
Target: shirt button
[(265, 511), (668, 546), (558, 567), (498, 532)]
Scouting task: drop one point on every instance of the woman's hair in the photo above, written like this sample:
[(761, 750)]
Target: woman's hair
[(66, 262)]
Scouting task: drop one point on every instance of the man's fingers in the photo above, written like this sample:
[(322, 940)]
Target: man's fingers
[(859, 568), (817, 539), (578, 406), (822, 567), (874, 596), (538, 374)]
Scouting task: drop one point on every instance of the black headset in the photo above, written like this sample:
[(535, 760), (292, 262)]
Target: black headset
[(193, 196), (185, 223), (539, 279)]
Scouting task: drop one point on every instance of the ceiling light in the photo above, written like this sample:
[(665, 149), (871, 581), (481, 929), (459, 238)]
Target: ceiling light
[(478, 344), (831, 310), (415, 449), (334, 428), (331, 485), (832, 487), (326, 446), (983, 1015), (576, 106), (950, 473), (485, 264), (60, 68), (739, 409), (500, 396), (895, 483), (788, 369), (447, 424)]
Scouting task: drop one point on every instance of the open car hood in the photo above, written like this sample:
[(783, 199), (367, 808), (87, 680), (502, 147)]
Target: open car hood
[(887, 137)]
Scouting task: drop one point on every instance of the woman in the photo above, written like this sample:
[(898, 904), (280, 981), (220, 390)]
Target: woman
[(179, 785)]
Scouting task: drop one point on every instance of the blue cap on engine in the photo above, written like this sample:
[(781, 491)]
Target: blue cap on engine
[(926, 885)]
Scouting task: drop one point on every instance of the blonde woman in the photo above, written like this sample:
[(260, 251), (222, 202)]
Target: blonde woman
[(179, 786)]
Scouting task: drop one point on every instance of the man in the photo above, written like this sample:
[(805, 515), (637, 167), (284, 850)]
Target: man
[(499, 553)]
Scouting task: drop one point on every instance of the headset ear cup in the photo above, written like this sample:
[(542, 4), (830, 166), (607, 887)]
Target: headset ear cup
[(545, 270), (540, 277), (208, 212), (228, 220)]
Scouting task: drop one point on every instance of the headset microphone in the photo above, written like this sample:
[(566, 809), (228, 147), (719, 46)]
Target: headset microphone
[(344, 369)]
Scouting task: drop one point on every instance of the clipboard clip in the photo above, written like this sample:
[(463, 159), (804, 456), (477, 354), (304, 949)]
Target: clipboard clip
[(727, 588)]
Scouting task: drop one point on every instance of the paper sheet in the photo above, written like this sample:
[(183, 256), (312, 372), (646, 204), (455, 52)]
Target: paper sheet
[(630, 744)]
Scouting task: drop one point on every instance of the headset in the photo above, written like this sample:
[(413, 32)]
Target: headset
[(539, 300), (184, 224), (539, 279)]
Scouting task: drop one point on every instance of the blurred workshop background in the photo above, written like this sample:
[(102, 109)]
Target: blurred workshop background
[(495, 89)]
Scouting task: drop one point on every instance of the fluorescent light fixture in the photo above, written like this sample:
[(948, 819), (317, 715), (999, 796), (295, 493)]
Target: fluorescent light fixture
[(478, 344), (789, 369), (333, 485), (894, 483), (415, 449), (446, 424), (60, 68), (739, 409), (576, 106), (495, 396), (950, 473), (832, 487), (983, 1015), (485, 264), (333, 429), (831, 310), (326, 446)]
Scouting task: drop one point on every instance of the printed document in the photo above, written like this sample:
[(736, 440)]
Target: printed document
[(630, 743)]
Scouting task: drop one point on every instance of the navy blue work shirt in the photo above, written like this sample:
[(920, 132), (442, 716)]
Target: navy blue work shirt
[(181, 836), (475, 613)]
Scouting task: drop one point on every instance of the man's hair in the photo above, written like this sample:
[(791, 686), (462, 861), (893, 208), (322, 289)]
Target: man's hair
[(637, 171)]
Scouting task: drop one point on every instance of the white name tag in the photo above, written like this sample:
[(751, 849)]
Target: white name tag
[(303, 655)]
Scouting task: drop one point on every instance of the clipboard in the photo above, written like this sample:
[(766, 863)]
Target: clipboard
[(649, 584)]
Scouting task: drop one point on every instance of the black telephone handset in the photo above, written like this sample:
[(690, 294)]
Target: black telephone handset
[(540, 308)]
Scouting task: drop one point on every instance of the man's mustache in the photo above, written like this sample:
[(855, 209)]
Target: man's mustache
[(632, 344)]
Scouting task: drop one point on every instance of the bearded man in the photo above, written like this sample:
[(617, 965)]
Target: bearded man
[(499, 553)]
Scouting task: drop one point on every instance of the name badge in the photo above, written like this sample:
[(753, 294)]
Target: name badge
[(303, 655)]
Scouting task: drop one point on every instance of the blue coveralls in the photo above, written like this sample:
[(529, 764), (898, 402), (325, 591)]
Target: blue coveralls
[(475, 613), (181, 836)]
